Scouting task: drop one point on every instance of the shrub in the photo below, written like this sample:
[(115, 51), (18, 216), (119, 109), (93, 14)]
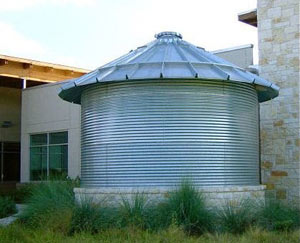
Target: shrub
[(186, 207), (7, 207), (236, 217), (23, 193), (158, 216), (50, 205), (276, 216), (91, 218)]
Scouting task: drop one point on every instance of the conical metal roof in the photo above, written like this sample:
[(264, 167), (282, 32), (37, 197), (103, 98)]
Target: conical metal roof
[(168, 57)]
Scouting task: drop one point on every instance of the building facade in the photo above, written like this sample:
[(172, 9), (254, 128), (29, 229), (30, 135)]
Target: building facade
[(279, 55), (50, 140), (278, 25), (16, 76)]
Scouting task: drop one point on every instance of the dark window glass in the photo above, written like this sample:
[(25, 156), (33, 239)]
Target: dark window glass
[(58, 160), (38, 139), (38, 163), (48, 158), (58, 137)]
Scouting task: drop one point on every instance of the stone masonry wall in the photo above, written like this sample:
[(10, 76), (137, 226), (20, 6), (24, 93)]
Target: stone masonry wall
[(279, 54), (215, 196)]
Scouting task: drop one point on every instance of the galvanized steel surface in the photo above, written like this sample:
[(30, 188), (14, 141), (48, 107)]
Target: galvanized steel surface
[(154, 133), (168, 57)]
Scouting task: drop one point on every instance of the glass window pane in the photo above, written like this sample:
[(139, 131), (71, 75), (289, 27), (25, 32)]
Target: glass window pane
[(38, 139), (58, 160), (58, 137), (38, 163)]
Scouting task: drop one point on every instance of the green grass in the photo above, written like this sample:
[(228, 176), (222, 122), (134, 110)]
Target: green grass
[(7, 207), (92, 218), (50, 205), (184, 212), (134, 211), (18, 233), (187, 208), (236, 217), (276, 216), (19, 195)]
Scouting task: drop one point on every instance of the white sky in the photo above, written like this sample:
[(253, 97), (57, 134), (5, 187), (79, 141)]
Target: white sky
[(90, 33)]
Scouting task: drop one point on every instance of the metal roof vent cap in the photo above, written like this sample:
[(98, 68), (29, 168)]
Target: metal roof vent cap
[(168, 34)]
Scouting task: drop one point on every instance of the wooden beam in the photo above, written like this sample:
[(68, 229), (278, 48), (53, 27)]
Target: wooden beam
[(43, 64), (37, 73), (27, 65), (48, 69), (3, 62)]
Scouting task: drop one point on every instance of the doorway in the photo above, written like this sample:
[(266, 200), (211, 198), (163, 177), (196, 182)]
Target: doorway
[(9, 161)]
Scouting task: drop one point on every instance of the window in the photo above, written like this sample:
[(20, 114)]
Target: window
[(48, 155)]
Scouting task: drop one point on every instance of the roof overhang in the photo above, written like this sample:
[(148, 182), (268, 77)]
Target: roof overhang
[(21, 68), (249, 17)]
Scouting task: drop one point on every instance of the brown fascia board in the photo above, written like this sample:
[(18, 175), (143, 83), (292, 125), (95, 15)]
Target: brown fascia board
[(22, 68), (27, 63), (249, 17)]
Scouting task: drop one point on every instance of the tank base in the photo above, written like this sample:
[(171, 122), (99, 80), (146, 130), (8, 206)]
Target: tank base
[(215, 196)]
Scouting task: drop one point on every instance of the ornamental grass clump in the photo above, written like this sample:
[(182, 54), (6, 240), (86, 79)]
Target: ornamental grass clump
[(277, 216), (236, 217), (50, 205), (187, 208), (91, 218), (134, 212), (7, 207)]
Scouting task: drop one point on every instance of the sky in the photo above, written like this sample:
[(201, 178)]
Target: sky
[(90, 33)]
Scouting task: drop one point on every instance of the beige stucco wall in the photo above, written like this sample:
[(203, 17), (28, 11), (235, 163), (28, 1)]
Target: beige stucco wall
[(43, 111), (10, 107), (241, 56), (279, 55)]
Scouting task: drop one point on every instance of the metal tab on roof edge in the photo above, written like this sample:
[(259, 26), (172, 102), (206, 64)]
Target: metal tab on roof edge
[(168, 57)]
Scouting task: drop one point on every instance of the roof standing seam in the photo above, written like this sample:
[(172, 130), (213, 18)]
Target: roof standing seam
[(167, 57)]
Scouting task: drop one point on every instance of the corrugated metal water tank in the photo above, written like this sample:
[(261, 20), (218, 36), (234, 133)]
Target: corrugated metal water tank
[(169, 111), (154, 133)]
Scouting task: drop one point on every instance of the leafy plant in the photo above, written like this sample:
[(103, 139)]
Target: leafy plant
[(7, 207)]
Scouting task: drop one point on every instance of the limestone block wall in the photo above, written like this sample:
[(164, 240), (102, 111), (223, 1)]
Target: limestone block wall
[(215, 196), (279, 55)]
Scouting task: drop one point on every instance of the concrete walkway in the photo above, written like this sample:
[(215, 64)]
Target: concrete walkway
[(8, 220)]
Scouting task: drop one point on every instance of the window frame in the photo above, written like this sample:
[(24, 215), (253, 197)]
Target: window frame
[(47, 145)]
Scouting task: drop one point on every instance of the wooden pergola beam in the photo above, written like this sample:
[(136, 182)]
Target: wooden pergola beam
[(37, 71), (3, 62), (27, 65)]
